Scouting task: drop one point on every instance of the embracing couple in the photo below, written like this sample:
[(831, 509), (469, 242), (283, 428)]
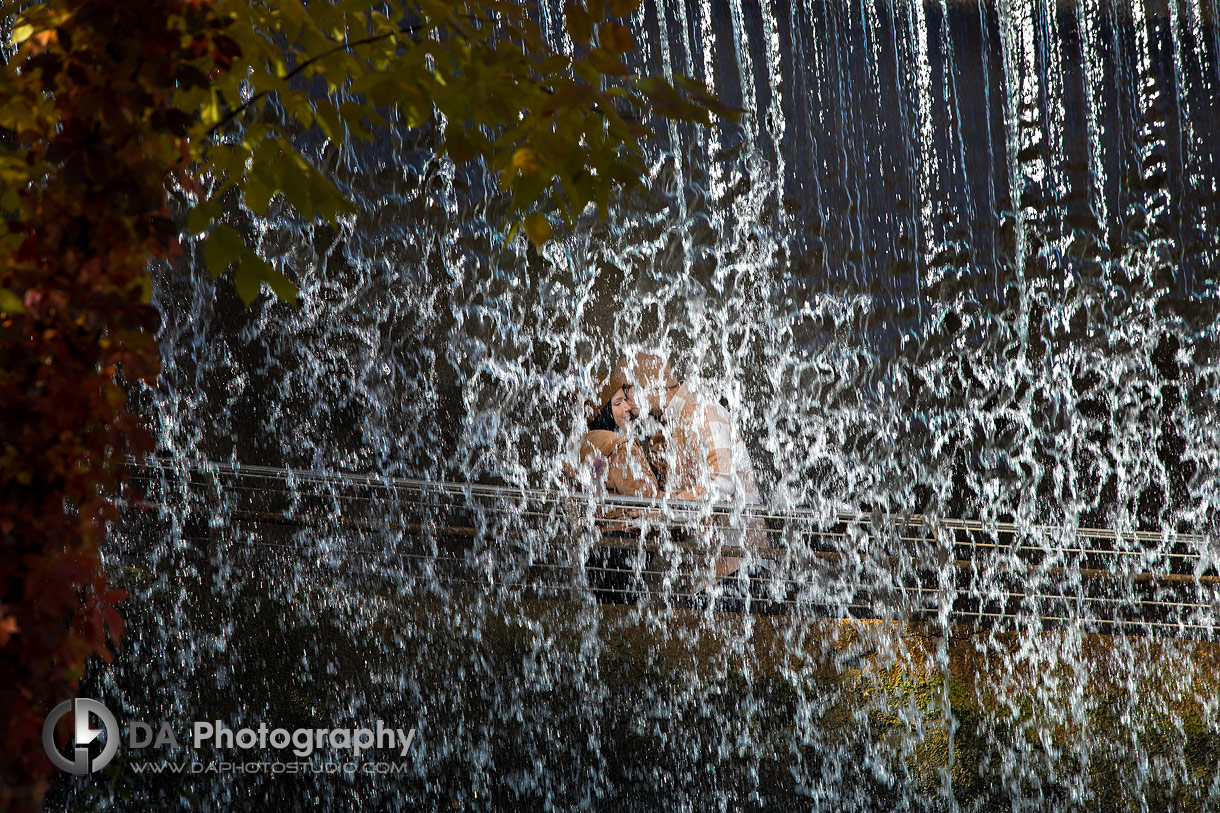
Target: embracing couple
[(650, 436)]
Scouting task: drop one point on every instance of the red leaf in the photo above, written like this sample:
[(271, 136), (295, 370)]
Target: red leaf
[(8, 628)]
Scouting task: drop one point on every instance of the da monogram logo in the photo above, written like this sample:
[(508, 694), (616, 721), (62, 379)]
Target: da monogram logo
[(81, 708)]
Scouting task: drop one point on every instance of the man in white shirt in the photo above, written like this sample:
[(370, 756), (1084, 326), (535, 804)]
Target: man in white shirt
[(705, 456)]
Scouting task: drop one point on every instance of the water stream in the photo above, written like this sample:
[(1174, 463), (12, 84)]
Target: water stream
[(957, 261)]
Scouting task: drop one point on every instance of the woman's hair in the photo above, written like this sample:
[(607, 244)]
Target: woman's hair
[(604, 419)]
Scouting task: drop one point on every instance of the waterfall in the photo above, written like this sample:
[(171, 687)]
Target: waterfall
[(953, 274)]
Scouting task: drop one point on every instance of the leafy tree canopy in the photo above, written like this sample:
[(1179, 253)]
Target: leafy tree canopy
[(549, 125)]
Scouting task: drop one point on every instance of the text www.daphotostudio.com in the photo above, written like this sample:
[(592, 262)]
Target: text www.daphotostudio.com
[(303, 743)]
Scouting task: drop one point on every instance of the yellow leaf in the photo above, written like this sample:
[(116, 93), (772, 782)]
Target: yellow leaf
[(10, 302), (538, 228), (146, 288), (616, 37), (211, 111), (576, 18), (10, 201), (525, 160)]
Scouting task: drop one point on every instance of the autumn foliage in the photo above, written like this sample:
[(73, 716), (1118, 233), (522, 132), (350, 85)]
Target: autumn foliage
[(92, 134)]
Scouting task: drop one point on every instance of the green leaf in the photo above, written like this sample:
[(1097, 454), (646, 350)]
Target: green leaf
[(416, 114), (327, 117), (247, 283), (263, 178), (10, 302), (458, 145), (576, 19), (587, 72), (294, 182), (555, 64), (703, 97), (385, 92), (201, 217), (353, 117), (254, 266), (282, 286), (257, 191), (328, 201), (296, 104), (10, 201), (607, 62), (527, 189), (146, 288), (264, 82), (228, 163), (570, 95), (222, 248), (357, 6)]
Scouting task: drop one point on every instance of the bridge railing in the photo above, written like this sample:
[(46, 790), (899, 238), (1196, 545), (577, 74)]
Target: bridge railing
[(561, 543)]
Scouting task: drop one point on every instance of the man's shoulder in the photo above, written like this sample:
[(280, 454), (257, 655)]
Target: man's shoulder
[(687, 407), (717, 412)]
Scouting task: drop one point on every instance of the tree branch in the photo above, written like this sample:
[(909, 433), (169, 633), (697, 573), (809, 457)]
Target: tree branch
[(343, 46)]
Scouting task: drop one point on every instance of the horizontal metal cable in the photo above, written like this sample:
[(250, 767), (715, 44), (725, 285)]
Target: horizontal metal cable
[(704, 550), (865, 609), (257, 483), (695, 508), (983, 597), (720, 548), (728, 549)]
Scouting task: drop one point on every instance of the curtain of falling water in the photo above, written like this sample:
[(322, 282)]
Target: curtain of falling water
[(957, 259)]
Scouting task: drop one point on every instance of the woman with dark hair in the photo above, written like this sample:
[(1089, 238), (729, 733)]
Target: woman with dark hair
[(616, 413), (623, 462), (631, 466)]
